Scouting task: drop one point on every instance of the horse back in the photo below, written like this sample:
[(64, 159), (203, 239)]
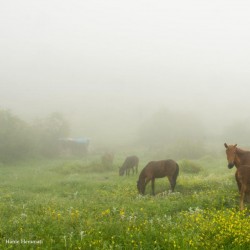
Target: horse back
[(130, 162), (158, 169)]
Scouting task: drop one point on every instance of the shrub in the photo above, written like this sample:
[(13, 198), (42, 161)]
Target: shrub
[(190, 167)]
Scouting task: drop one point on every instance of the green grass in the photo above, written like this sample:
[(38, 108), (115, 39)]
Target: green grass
[(75, 204)]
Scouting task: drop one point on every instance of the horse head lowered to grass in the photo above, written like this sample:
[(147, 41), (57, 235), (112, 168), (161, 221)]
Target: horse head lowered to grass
[(157, 169), (241, 160)]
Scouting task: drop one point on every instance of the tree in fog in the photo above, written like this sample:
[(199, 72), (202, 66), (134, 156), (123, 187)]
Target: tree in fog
[(20, 140), (15, 140), (47, 133)]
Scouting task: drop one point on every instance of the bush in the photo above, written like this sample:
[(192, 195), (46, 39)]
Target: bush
[(20, 140), (190, 167), (15, 141)]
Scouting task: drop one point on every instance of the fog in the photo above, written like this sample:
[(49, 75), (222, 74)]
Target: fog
[(109, 66)]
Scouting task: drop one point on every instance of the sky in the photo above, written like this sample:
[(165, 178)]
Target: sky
[(94, 60)]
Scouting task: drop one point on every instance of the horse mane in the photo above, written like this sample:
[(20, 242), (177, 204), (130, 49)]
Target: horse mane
[(242, 151)]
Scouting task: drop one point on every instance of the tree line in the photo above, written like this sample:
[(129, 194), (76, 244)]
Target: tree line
[(165, 134), (20, 140)]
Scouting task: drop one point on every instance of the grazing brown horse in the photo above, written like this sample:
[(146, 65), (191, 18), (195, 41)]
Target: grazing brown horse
[(157, 169), (129, 163), (241, 160)]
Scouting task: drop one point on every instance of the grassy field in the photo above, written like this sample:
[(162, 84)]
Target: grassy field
[(76, 204)]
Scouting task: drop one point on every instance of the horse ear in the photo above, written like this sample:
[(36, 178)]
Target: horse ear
[(225, 145)]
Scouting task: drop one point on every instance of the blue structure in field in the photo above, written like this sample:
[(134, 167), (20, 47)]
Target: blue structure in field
[(74, 146)]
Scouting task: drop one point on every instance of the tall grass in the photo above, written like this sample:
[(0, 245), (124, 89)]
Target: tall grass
[(75, 204)]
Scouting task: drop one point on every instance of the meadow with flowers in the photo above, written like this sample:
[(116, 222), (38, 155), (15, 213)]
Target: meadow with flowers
[(76, 204)]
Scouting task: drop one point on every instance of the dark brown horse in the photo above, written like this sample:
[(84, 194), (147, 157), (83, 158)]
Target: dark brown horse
[(241, 160), (157, 169), (129, 163)]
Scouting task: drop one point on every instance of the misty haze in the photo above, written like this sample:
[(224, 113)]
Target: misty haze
[(109, 66), (85, 84)]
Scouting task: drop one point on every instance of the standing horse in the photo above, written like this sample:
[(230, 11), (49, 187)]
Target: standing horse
[(237, 157), (157, 169), (129, 163), (241, 160)]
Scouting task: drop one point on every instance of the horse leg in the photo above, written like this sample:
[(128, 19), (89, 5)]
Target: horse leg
[(172, 182), (242, 196), (136, 169), (146, 182), (238, 181), (153, 186), (127, 171)]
